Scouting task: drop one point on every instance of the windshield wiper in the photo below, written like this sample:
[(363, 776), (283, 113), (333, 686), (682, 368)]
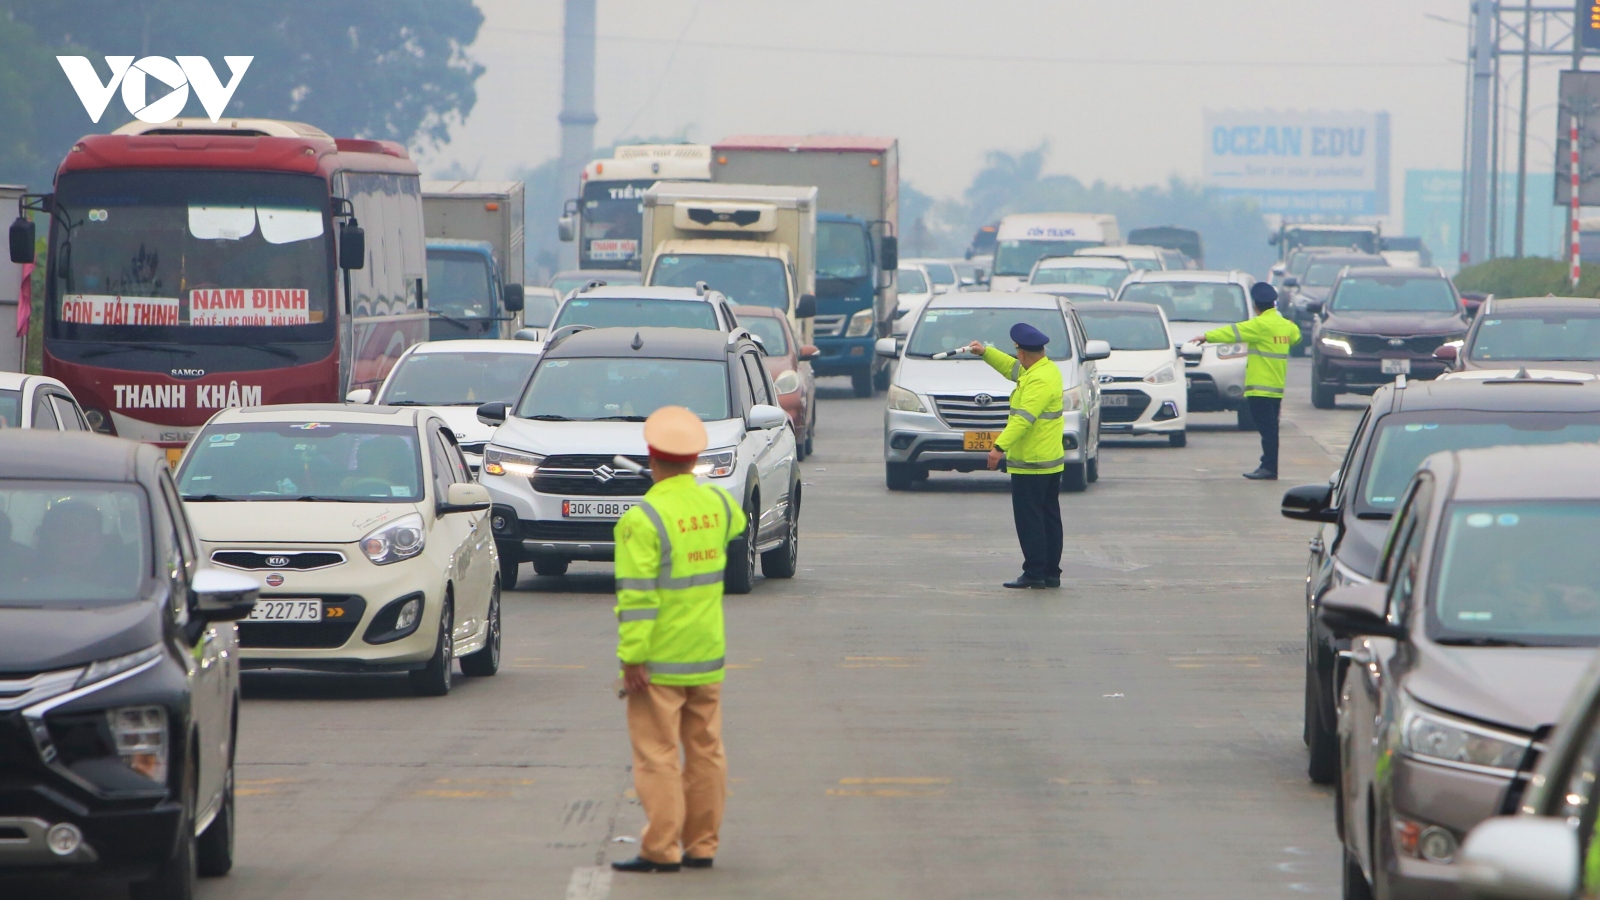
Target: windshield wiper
[(459, 323), (1482, 641), (1374, 515), (619, 419), (312, 498), (268, 348), (550, 417), (406, 403), (124, 348)]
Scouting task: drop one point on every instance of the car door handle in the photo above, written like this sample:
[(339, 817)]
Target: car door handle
[(1359, 655)]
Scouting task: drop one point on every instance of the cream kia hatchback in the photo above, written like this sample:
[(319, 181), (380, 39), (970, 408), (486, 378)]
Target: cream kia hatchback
[(368, 532)]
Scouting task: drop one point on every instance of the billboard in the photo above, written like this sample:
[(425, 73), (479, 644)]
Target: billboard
[(1580, 94), (1300, 164)]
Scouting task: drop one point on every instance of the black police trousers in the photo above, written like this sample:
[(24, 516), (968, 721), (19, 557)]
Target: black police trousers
[(1036, 507), (1265, 411)]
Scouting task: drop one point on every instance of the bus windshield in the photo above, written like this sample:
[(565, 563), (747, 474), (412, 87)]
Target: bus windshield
[(1018, 257), (191, 257), (613, 219)]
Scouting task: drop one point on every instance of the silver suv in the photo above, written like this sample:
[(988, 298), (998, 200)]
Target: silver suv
[(944, 413), (550, 465), (632, 306)]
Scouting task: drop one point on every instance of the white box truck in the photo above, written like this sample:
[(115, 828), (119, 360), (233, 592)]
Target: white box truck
[(1025, 238), (475, 234)]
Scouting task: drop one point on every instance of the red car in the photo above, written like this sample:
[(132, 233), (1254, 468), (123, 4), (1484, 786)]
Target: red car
[(789, 366)]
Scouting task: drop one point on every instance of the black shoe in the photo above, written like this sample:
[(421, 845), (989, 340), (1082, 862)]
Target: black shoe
[(1261, 475), (1024, 581), (640, 864), (697, 862), (1053, 582)]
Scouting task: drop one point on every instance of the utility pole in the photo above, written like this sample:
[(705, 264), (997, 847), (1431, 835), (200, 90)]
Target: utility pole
[(1522, 129), (1483, 49), (577, 100)]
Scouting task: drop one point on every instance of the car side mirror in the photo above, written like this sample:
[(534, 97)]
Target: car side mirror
[(464, 497), (1314, 306), (1094, 350), (567, 228), (889, 253), (1290, 281), (1526, 857), (1448, 351), (513, 297), (352, 245), (223, 596), (980, 276), (805, 307), (809, 352), (493, 413), (359, 395), (22, 237), (888, 348), (1356, 610), (1310, 503), (763, 416), (529, 334)]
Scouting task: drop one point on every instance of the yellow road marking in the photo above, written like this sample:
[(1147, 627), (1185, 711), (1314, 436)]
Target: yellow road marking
[(881, 792), (1206, 662), (895, 780), (1104, 782), (543, 666), (254, 792), (503, 782)]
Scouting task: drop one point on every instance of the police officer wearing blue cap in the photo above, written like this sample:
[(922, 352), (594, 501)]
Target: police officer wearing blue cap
[(1031, 448)]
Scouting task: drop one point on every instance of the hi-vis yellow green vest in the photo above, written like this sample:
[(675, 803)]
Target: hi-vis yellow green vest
[(1269, 337), (671, 550), (1032, 439)]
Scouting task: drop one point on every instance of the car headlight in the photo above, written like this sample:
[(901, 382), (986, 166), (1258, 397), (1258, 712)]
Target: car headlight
[(1232, 351), (861, 323), (401, 539), (787, 382), (904, 400), (1163, 375), (1432, 736), (1071, 400), (500, 461), (1332, 340), (140, 736), (105, 668), (716, 464)]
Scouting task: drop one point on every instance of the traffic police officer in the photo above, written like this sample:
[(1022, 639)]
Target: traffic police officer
[(1031, 448), (671, 551), (1269, 337)]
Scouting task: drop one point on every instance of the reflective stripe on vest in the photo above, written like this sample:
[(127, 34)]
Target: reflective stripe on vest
[(1264, 388), (636, 615), (1031, 418), (1268, 354), (1237, 337), (1060, 461), (1016, 370), (694, 668)]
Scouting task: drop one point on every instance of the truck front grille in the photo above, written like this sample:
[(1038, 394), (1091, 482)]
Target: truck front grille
[(966, 412)]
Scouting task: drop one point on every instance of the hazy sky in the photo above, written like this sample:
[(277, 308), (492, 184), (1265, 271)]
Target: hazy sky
[(1118, 87)]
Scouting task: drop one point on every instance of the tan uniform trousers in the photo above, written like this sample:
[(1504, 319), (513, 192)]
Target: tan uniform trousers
[(683, 800)]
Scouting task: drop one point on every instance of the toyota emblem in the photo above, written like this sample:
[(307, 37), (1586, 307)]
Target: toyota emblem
[(1397, 342), (278, 562), (604, 474), (274, 580), (983, 399)]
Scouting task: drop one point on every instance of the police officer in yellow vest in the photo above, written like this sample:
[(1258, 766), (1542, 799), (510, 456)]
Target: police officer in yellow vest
[(1032, 451), (1269, 337), (671, 551)]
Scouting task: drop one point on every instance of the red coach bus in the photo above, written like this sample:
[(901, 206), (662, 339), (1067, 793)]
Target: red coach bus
[(194, 266)]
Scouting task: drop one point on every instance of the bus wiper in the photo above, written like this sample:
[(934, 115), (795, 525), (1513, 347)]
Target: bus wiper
[(620, 419), (1483, 641), (459, 323), (124, 348), (268, 348), (550, 417)]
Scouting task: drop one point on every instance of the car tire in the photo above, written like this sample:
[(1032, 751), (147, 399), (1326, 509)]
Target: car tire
[(861, 383), (1094, 468), (1075, 478), (1322, 744), (550, 566), (783, 560), (899, 476), (175, 878), (799, 449), (1178, 439), (510, 569), (1322, 396), (740, 575), (214, 848), (486, 662), (434, 678), (1354, 884), (880, 381), (1243, 420)]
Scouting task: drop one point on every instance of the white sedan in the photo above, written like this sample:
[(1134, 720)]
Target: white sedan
[(1142, 385), (33, 401)]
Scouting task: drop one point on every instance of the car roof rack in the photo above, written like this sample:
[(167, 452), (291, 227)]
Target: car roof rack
[(700, 288)]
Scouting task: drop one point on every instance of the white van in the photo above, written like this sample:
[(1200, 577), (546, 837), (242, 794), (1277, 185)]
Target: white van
[(1024, 238)]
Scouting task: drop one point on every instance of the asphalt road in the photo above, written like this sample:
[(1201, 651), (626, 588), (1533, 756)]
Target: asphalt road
[(898, 725)]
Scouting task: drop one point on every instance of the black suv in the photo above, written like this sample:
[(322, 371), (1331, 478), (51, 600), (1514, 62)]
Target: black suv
[(1401, 427), (119, 674), (1379, 323), (1311, 288)]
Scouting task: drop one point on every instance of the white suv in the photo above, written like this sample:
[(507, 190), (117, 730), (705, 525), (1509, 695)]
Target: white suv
[(946, 413), (550, 465)]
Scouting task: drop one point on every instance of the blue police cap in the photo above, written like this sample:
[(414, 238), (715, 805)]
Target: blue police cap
[(1028, 337), (1263, 295)]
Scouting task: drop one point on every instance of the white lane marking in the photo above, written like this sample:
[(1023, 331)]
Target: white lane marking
[(590, 883)]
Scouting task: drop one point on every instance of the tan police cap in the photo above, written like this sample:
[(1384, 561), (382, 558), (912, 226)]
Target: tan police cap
[(674, 433)]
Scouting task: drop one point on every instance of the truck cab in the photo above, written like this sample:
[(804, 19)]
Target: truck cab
[(466, 293), (845, 327)]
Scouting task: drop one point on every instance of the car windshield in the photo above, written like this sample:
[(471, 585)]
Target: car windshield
[(947, 328), (842, 250), (1191, 301), (1520, 571), (910, 281), (1394, 293), (444, 378), (1125, 329), (1311, 237), (1404, 440), (1099, 276), (941, 273), (333, 461), (1018, 257), (1550, 336), (623, 312), (49, 529), (744, 280), (10, 409), (770, 330), (538, 309), (604, 388), (460, 284), (1322, 274)]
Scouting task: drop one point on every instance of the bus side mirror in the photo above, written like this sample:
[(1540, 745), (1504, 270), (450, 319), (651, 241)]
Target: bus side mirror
[(352, 245), (889, 253), (22, 240), (805, 307), (567, 225), (513, 297)]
